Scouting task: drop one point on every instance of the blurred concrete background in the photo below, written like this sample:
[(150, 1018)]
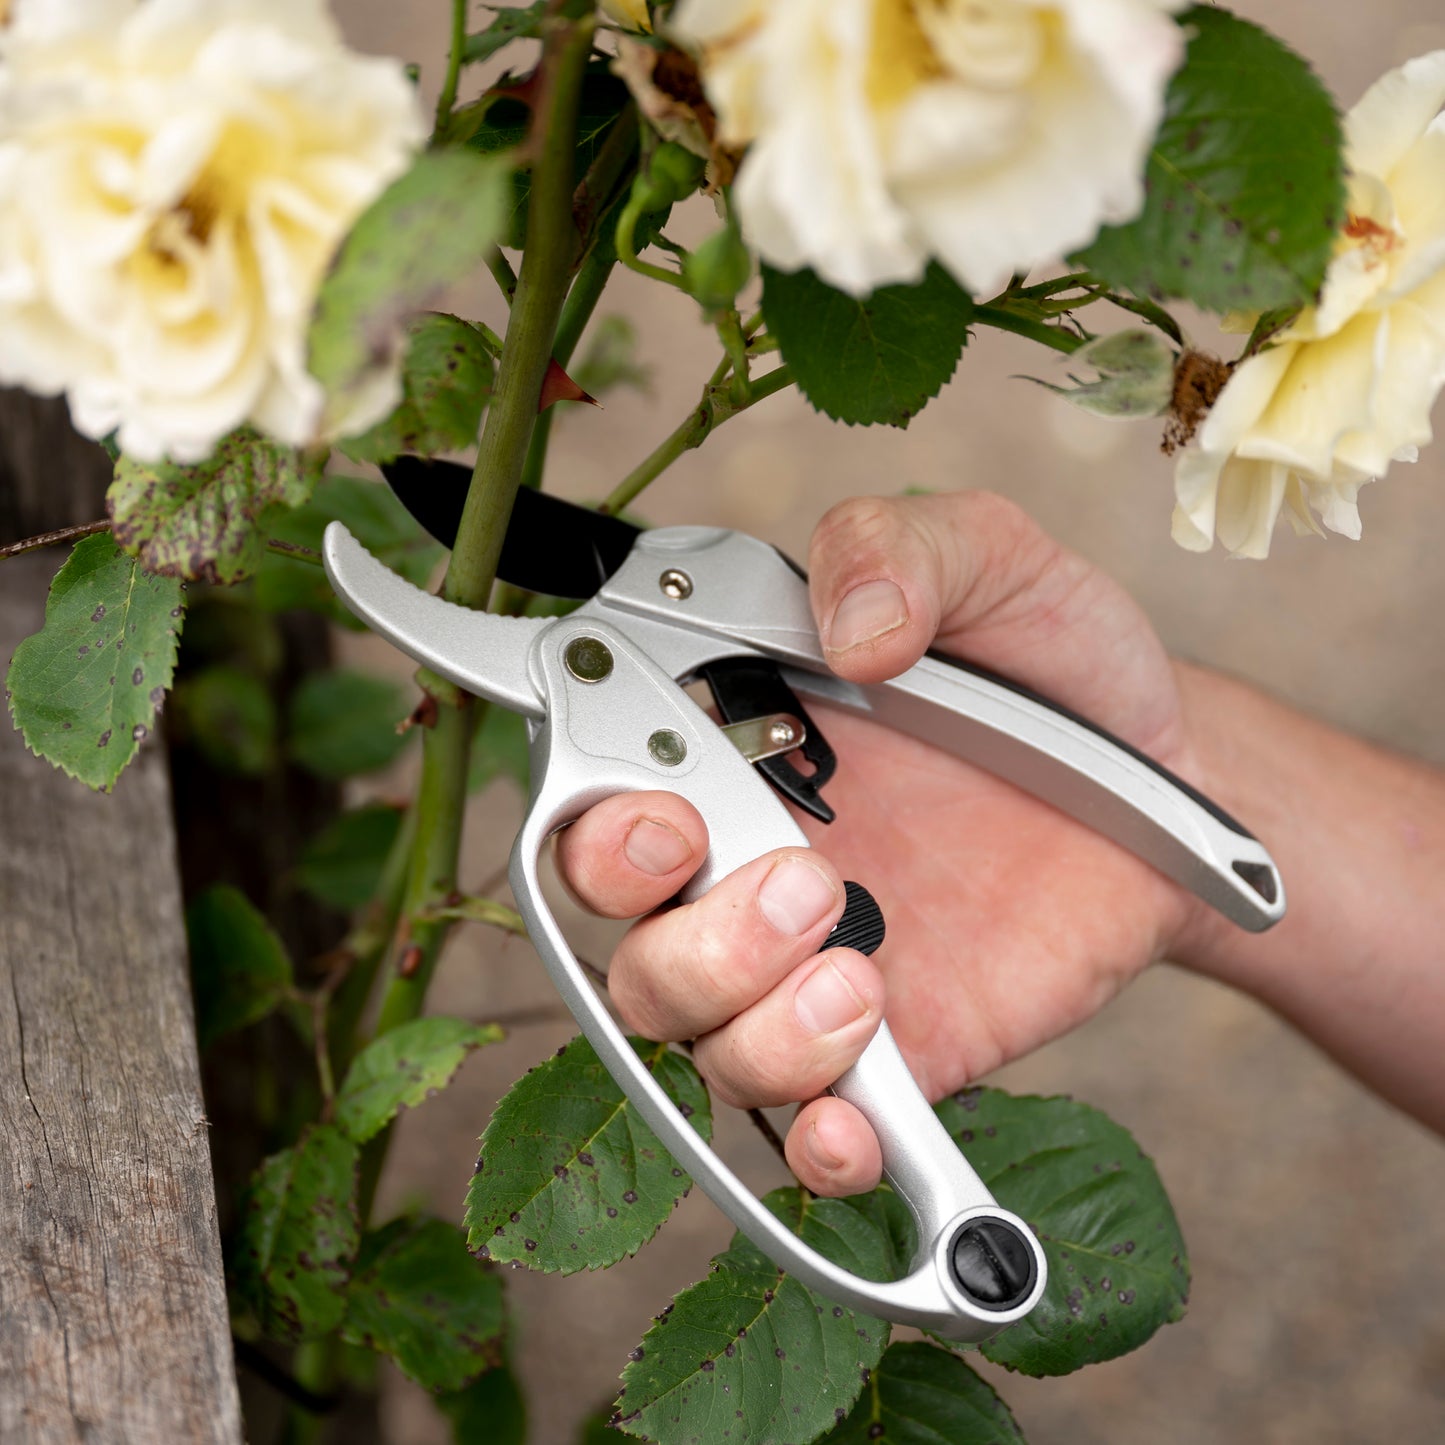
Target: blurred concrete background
[(1315, 1215)]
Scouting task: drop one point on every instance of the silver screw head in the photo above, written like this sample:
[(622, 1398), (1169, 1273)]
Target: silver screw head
[(588, 659), (781, 732), (667, 747), (675, 584)]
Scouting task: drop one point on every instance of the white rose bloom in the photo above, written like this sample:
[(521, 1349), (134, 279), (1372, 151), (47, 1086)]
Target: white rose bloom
[(1348, 388), (174, 178), (993, 134)]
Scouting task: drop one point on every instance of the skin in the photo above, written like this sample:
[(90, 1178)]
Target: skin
[(1008, 923)]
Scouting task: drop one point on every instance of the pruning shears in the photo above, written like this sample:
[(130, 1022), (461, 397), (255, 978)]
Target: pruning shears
[(602, 691)]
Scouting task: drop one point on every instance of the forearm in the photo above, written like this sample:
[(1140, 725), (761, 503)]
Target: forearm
[(1358, 964)]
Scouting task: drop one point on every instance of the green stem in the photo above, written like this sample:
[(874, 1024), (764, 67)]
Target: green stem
[(632, 213), (448, 97), (1002, 319), (711, 412), (501, 268)]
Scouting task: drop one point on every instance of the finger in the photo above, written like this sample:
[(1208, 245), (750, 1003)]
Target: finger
[(971, 573), (630, 854), (685, 972), (833, 1150), (798, 1038)]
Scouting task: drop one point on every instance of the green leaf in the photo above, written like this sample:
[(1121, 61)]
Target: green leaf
[(570, 1176), (403, 1068), (342, 864), (445, 381), (880, 359), (501, 125), (84, 689), (490, 1409), (299, 1234), (240, 969), (923, 1395), (425, 231), (1133, 375), (1245, 183), (1117, 1263), (203, 521), (513, 22), (419, 1297), (751, 1344), (344, 722), (499, 750), (373, 515), (230, 717)]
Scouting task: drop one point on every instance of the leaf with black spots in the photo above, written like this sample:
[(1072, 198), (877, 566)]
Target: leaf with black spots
[(570, 1176), (878, 359), (240, 969), (417, 1296), (203, 521), (84, 689), (299, 1234), (1244, 190), (750, 1349), (1117, 1264), (923, 1395), (403, 1068)]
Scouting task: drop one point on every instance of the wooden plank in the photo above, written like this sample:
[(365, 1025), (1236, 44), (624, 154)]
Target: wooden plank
[(112, 1303)]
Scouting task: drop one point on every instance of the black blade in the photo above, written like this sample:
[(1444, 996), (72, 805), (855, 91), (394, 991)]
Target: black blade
[(551, 546)]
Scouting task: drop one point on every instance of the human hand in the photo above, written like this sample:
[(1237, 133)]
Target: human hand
[(1008, 922)]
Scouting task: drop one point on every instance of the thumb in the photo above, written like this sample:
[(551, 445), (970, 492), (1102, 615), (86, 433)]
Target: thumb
[(969, 573)]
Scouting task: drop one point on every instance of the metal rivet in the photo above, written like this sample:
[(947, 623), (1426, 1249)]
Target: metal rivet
[(675, 584), (781, 732), (588, 659), (667, 747)]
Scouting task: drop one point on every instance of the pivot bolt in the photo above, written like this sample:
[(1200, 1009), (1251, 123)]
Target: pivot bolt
[(588, 659), (675, 584), (782, 733), (667, 747), (993, 1264)]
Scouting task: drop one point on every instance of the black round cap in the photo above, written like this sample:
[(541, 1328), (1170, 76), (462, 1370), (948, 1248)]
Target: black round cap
[(993, 1263)]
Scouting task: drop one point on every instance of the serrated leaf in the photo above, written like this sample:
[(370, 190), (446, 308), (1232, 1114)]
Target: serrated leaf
[(490, 1409), (403, 1068), (1117, 1264), (378, 521), (342, 864), (502, 124), (299, 1235), (417, 1296), (84, 689), (427, 230), (1245, 183), (229, 715), (445, 381), (202, 521), (513, 22), (923, 1395), (754, 1348), (879, 359), (499, 750), (342, 723), (570, 1176), (240, 970)]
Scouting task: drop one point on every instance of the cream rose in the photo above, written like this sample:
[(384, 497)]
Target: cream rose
[(1348, 388), (992, 134), (629, 13), (174, 178)]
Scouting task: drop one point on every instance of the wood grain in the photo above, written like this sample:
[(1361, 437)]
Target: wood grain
[(113, 1322)]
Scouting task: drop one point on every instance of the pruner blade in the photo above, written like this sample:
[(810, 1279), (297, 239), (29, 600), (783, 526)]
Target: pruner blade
[(482, 653)]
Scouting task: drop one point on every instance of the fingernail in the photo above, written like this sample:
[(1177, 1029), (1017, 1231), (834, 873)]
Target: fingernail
[(795, 896), (868, 611), (656, 848), (818, 1152), (826, 1001)]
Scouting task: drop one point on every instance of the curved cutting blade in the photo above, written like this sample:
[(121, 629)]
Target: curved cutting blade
[(480, 652)]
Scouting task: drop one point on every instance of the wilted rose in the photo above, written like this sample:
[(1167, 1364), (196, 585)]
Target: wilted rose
[(174, 178)]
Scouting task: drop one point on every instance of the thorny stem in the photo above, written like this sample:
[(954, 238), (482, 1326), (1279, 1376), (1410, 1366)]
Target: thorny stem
[(52, 539), (448, 97), (712, 410), (1001, 318), (501, 455)]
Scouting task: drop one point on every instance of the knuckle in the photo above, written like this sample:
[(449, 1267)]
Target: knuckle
[(633, 991), (855, 525)]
